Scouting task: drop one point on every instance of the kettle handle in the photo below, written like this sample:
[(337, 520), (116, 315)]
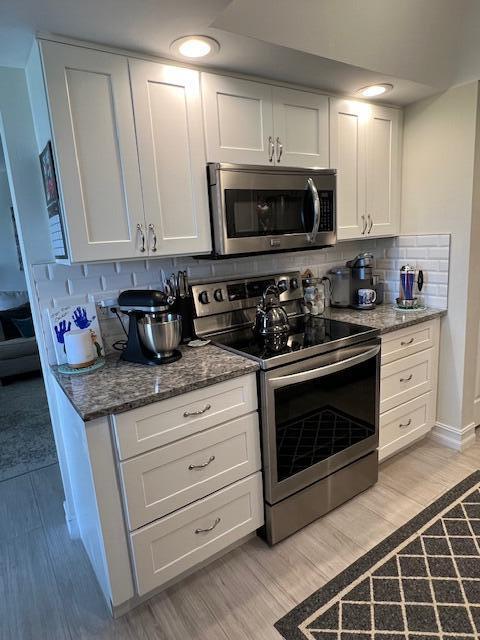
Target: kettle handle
[(272, 288)]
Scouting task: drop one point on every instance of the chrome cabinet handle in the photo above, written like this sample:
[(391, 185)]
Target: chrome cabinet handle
[(312, 236), (201, 466), (405, 344), (272, 148), (407, 424), (370, 220), (139, 228), (151, 227), (187, 414), (217, 522), (279, 149), (364, 225), (407, 379)]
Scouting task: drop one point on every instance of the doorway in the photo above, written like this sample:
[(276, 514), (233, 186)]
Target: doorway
[(26, 437)]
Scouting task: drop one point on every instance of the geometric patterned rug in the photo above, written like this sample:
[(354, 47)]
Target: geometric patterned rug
[(420, 583)]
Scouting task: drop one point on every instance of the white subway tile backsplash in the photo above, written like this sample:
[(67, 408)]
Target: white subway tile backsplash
[(59, 285), (120, 280), (84, 285)]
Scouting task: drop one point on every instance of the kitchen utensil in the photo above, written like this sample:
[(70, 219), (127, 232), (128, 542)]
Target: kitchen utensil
[(160, 333), (361, 277), (270, 317), (366, 297), (154, 330), (340, 289), (407, 282)]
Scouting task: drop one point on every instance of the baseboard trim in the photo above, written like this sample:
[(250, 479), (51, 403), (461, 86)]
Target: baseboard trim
[(459, 439)]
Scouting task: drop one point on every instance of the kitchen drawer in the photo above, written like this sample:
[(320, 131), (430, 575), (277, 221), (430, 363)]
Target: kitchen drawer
[(166, 548), (160, 423), (407, 378), (404, 424), (406, 342), (158, 482)]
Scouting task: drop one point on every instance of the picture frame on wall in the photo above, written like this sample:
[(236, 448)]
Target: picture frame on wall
[(57, 232)]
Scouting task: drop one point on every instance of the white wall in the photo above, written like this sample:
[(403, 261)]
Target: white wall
[(438, 167), (11, 277)]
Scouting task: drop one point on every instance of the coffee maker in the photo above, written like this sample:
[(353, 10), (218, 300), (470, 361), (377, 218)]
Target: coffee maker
[(361, 277), (154, 332)]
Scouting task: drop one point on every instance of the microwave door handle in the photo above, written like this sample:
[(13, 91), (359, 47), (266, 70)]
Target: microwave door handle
[(320, 372), (311, 237)]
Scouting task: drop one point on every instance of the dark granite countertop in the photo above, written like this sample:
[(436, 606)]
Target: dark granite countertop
[(120, 386), (384, 317)]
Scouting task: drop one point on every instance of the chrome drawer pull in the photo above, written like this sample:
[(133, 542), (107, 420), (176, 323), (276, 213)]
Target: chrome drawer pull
[(188, 414), (217, 521), (407, 424), (407, 379), (201, 466), (405, 344)]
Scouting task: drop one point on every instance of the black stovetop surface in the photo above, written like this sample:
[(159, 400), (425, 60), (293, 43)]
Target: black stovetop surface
[(306, 332)]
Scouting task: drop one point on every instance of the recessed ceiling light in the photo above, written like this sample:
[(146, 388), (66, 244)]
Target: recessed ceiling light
[(375, 90), (194, 47)]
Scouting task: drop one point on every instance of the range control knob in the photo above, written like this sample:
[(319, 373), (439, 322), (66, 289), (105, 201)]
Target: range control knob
[(294, 283), (218, 295), (203, 297), (283, 285)]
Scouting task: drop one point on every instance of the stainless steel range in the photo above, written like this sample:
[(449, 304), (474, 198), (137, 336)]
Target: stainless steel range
[(319, 397)]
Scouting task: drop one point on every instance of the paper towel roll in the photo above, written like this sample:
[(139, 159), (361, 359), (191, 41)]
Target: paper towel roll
[(79, 349)]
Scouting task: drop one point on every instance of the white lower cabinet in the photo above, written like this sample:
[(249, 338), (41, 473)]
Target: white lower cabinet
[(190, 476), (158, 482), (168, 547), (408, 386)]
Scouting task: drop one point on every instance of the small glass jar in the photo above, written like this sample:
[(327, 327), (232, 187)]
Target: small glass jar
[(313, 297)]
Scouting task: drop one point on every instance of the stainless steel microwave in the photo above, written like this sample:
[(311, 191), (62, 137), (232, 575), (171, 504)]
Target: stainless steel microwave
[(257, 209)]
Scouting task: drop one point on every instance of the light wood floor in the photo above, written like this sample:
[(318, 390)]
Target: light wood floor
[(48, 591)]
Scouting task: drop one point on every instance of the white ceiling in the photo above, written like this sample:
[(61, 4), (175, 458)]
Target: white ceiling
[(421, 46)]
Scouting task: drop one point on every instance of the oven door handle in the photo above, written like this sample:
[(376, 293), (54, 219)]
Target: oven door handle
[(312, 236), (320, 372)]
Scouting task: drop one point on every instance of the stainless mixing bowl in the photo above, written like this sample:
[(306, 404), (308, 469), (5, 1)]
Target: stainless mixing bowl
[(160, 333)]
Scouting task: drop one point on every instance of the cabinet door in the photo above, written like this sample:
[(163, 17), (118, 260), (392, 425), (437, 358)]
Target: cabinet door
[(383, 171), (348, 126), (94, 137), (300, 122), (238, 120), (168, 120)]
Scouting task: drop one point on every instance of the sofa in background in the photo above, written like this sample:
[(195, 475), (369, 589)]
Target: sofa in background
[(18, 346)]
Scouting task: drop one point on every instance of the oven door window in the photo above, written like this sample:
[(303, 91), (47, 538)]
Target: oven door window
[(321, 417), (252, 213)]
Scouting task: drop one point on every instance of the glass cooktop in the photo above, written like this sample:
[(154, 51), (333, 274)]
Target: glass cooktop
[(307, 333)]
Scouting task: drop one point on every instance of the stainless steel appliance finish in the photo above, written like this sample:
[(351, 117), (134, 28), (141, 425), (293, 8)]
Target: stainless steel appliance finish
[(260, 209), (271, 319), (319, 399), (160, 333), (340, 278), (154, 332), (288, 516)]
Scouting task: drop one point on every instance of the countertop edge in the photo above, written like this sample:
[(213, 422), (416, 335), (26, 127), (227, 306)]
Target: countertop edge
[(410, 323), (112, 409)]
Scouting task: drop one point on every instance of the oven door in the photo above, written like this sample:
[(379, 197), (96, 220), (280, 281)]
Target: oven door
[(263, 209), (318, 415)]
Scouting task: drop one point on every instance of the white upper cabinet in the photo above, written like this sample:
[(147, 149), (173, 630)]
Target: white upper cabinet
[(238, 120), (301, 128), (348, 155), (365, 150), (253, 123), (94, 138), (168, 120), (383, 171)]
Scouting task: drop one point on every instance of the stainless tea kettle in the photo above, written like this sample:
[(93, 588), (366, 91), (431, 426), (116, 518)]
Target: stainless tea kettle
[(271, 318)]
